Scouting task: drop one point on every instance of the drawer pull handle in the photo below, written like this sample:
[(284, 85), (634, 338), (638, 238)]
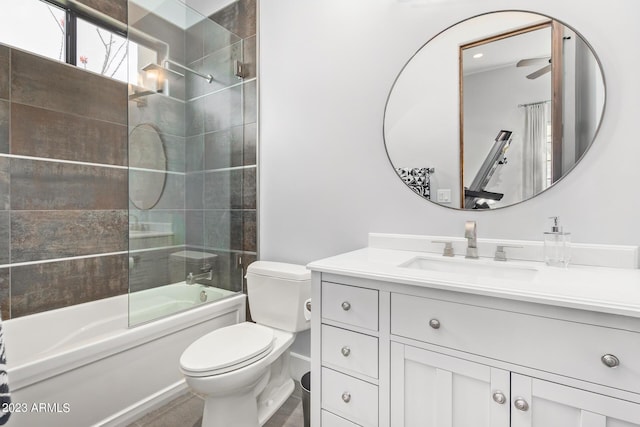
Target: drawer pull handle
[(346, 306), (499, 397), (346, 351), (434, 323), (521, 404), (610, 360), (346, 397)]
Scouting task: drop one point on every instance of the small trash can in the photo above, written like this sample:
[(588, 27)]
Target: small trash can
[(305, 382)]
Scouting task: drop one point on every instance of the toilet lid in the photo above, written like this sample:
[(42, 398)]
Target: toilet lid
[(227, 348)]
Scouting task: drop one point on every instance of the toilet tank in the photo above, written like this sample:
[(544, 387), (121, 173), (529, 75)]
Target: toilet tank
[(277, 292)]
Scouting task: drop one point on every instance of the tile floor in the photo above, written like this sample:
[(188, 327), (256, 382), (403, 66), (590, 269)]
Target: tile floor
[(186, 411)]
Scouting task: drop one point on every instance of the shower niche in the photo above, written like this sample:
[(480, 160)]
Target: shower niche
[(191, 157)]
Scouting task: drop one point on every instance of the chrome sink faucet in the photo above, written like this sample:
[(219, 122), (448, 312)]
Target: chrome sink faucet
[(472, 243)]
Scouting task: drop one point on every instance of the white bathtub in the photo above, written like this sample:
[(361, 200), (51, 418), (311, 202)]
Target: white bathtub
[(83, 366)]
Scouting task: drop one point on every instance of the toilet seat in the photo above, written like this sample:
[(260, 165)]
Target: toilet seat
[(227, 349)]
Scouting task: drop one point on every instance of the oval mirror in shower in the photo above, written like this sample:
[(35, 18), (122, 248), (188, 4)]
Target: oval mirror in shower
[(494, 110), (147, 166)]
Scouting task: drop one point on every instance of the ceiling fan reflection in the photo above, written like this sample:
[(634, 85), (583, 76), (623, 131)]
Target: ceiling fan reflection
[(535, 61)]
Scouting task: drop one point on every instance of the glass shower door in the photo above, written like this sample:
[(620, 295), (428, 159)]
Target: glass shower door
[(186, 174)]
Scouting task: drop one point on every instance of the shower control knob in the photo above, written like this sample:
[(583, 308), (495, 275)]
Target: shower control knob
[(610, 360), (346, 306), (434, 323), (499, 397), (346, 397), (521, 404), (346, 351)]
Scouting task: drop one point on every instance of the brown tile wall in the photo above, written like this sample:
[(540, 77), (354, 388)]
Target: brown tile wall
[(116, 9), (54, 210), (52, 115)]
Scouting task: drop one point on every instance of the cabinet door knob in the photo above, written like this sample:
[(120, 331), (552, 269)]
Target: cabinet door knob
[(499, 397), (346, 397), (346, 351), (521, 404), (610, 360), (346, 306), (434, 323)]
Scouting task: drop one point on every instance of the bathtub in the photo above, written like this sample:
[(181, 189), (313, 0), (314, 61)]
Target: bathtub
[(83, 366)]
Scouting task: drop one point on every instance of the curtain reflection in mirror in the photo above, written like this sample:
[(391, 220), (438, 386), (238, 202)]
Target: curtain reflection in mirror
[(535, 165)]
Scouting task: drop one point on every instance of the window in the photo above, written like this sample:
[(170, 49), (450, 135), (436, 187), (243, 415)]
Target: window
[(42, 27), (34, 26)]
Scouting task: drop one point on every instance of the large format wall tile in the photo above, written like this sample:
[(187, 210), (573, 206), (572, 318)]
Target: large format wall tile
[(223, 189), (5, 237), (250, 151), (249, 231), (5, 293), (249, 57), (250, 102), (173, 193), (5, 72), (5, 183), (116, 9), (153, 268), (249, 188), (223, 229), (44, 133), (48, 84), (47, 286), (239, 17), (41, 235), (224, 148), (194, 153), (5, 114), (195, 227), (223, 109), (39, 185), (194, 193), (164, 113)]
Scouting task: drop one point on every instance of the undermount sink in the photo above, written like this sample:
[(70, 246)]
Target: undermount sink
[(471, 268)]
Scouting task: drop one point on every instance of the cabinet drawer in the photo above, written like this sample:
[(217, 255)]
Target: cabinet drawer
[(350, 305), (566, 348), (332, 420), (350, 398), (349, 351)]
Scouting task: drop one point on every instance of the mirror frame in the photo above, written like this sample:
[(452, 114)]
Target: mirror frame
[(552, 21)]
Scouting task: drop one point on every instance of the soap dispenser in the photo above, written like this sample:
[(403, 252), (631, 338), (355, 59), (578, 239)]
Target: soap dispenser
[(557, 245)]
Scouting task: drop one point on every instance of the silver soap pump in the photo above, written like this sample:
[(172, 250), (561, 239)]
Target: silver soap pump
[(557, 245)]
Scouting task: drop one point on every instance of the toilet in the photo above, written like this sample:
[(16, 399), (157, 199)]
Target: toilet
[(242, 370)]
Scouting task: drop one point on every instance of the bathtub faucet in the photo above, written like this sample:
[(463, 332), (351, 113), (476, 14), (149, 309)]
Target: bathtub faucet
[(206, 273)]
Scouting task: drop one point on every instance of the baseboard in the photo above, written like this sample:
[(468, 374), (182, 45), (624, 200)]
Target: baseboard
[(299, 365), (144, 406)]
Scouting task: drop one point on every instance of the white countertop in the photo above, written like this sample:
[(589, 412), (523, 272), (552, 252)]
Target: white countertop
[(600, 289)]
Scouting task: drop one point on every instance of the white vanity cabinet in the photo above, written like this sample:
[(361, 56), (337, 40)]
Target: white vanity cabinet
[(429, 389), (349, 356), (432, 390), (393, 354)]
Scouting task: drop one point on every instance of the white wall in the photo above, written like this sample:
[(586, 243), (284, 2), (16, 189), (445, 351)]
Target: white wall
[(326, 68)]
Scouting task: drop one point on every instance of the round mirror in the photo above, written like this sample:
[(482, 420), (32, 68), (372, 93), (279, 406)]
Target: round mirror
[(148, 165), (494, 110)]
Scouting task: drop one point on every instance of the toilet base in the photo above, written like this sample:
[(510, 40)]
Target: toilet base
[(253, 406), (269, 406), (245, 410)]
